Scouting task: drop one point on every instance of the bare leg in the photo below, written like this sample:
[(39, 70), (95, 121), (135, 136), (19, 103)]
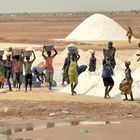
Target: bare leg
[(63, 80), (19, 86), (129, 39), (125, 97), (26, 83), (49, 76), (106, 92), (30, 82), (131, 95), (72, 89), (8, 74), (109, 90)]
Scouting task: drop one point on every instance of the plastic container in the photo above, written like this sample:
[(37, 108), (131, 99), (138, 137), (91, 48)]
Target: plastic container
[(1, 52), (72, 49), (48, 47), (28, 53)]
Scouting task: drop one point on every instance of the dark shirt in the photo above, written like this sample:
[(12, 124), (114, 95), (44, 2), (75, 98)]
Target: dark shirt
[(128, 74), (92, 64), (66, 62)]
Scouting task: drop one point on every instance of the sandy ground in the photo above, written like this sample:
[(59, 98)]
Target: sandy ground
[(42, 106), (41, 102), (40, 29)]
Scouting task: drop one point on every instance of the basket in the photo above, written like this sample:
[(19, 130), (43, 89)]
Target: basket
[(72, 49), (108, 53), (48, 47), (28, 53), (1, 52)]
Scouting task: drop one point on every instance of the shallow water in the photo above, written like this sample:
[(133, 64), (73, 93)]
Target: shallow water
[(6, 130)]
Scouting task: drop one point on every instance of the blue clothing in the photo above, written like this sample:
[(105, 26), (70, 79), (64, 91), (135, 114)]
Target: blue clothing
[(39, 72), (66, 62), (38, 69), (81, 68), (107, 70)]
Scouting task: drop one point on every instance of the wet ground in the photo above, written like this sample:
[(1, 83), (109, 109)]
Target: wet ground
[(85, 130)]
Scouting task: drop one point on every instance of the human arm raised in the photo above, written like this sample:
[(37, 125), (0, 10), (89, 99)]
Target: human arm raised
[(33, 56), (43, 52), (78, 57), (55, 52)]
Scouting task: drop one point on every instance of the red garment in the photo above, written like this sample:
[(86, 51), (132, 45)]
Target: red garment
[(17, 66), (49, 62)]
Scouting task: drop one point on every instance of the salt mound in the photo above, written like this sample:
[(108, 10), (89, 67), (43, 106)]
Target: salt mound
[(91, 83), (98, 27)]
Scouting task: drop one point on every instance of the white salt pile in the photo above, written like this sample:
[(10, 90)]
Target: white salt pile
[(98, 27), (90, 83)]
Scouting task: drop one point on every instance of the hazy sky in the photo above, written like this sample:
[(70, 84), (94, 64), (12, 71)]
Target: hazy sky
[(66, 5)]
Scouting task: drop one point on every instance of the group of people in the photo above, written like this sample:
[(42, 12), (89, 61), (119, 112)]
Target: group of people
[(71, 72), (12, 68), (108, 71)]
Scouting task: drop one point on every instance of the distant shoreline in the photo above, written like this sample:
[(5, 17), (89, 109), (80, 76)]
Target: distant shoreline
[(67, 13)]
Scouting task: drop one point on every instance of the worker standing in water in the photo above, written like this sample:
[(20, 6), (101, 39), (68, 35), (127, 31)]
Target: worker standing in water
[(129, 34)]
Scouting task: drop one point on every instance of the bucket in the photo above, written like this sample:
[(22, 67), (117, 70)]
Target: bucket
[(1, 52), (28, 53), (48, 47), (72, 49), (16, 52)]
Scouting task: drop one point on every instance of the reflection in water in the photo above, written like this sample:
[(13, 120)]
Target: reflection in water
[(18, 130), (74, 123), (6, 130), (50, 125), (22, 139)]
